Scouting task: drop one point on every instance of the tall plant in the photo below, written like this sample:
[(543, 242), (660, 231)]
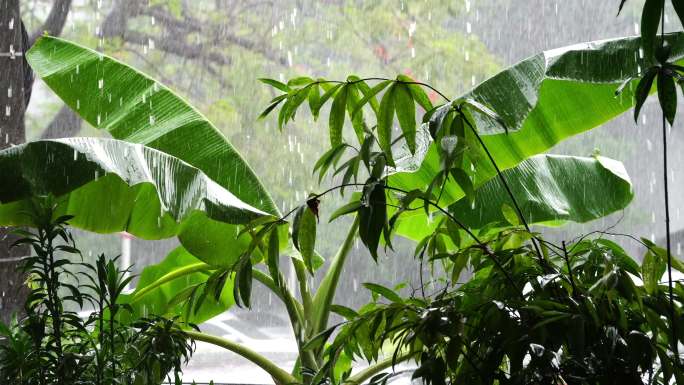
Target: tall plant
[(183, 179)]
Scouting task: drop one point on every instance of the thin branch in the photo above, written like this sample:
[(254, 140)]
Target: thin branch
[(54, 24)]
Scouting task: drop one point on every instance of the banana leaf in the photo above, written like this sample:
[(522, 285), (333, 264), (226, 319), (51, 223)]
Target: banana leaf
[(133, 107), (110, 185), (163, 300), (550, 190), (543, 100)]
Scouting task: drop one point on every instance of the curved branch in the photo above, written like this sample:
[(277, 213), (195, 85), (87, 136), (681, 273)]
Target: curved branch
[(54, 24), (279, 375), (378, 367)]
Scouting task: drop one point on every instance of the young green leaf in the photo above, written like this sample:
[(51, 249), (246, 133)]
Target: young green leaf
[(406, 114), (329, 92), (667, 96), (336, 121)]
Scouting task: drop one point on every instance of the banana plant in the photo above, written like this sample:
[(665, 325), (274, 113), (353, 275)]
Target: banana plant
[(169, 173)]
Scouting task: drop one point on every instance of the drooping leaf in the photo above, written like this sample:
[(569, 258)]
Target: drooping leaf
[(650, 20), (667, 96), (373, 216), (652, 269), (385, 122), (369, 96), (550, 189), (643, 89), (133, 107), (337, 112), (143, 191), (417, 93), (406, 114)]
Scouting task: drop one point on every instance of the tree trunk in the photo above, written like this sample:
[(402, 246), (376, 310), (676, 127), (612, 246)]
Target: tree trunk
[(12, 106)]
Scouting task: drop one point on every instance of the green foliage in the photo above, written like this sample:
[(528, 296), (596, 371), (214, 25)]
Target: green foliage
[(587, 321), (430, 180), (52, 344)]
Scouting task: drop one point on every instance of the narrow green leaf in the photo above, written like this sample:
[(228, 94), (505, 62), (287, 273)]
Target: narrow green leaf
[(417, 93), (406, 114), (667, 96), (643, 89), (307, 237), (385, 121), (344, 311), (275, 84), (358, 123), (314, 100), (329, 92), (245, 282), (652, 269), (346, 209), (337, 111), (464, 182), (272, 260), (383, 291), (650, 20), (373, 216), (370, 96)]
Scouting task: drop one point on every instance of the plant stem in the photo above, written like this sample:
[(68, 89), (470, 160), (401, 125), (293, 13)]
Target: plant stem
[(279, 375), (508, 189), (673, 319), (379, 366), (326, 291), (183, 271)]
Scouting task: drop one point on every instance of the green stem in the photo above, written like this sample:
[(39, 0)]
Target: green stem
[(189, 269), (304, 291), (279, 375), (378, 367), (326, 291)]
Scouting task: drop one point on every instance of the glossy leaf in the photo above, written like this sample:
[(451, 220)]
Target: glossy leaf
[(406, 114), (550, 189), (543, 100), (650, 20), (337, 111), (159, 300), (131, 106), (143, 191), (667, 95)]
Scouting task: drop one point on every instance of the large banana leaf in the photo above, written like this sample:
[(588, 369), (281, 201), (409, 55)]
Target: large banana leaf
[(161, 300), (110, 185), (550, 189), (543, 100), (133, 107)]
